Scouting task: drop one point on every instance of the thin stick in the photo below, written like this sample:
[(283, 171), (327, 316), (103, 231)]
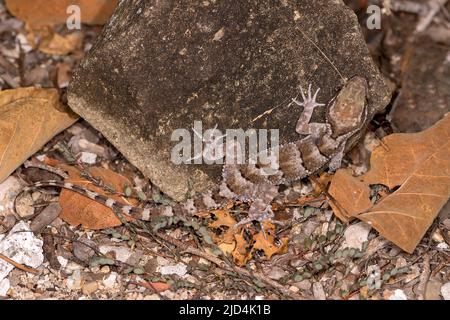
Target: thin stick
[(425, 21), (424, 277), (18, 265), (221, 264), (324, 55)]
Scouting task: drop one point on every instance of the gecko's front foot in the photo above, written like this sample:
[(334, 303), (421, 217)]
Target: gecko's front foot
[(309, 103)]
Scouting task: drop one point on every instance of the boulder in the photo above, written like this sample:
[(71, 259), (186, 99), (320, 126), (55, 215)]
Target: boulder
[(161, 65)]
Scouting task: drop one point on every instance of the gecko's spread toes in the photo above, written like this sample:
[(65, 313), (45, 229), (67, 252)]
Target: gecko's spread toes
[(309, 101)]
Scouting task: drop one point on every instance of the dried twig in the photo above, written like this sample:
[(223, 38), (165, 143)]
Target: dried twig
[(243, 272), (221, 264), (425, 11), (425, 20), (424, 277), (406, 6), (18, 265)]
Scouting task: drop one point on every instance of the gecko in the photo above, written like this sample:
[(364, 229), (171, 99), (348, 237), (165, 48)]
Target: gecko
[(319, 146)]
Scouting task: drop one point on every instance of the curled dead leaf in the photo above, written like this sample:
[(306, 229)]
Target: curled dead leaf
[(266, 242), (48, 41), (225, 222), (29, 118), (156, 286), (52, 12), (420, 164), (350, 196), (241, 252), (80, 210)]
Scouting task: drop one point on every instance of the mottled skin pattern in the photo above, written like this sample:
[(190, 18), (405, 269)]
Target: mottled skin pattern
[(321, 145)]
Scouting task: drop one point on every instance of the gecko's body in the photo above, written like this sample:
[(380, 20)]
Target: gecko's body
[(320, 145)]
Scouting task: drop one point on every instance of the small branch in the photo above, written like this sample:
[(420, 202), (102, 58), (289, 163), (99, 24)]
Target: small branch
[(424, 277), (221, 264), (18, 265), (407, 6), (435, 6)]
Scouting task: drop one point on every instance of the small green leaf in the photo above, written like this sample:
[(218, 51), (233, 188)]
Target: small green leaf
[(128, 191), (318, 266), (386, 276), (205, 235), (141, 196), (322, 239), (101, 261), (308, 211), (138, 270), (298, 278), (345, 253), (128, 270)]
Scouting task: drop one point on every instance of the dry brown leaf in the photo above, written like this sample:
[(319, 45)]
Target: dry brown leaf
[(52, 12), (155, 286), (29, 118), (401, 154), (350, 196), (61, 45), (420, 164), (227, 248), (80, 210), (64, 74), (224, 222), (266, 242), (48, 41), (241, 252)]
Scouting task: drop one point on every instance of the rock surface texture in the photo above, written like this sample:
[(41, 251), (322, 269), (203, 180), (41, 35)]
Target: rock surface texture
[(161, 65)]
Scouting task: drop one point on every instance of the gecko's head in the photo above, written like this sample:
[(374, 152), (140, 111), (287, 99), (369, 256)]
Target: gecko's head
[(348, 112)]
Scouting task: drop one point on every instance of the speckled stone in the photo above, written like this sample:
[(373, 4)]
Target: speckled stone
[(160, 65)]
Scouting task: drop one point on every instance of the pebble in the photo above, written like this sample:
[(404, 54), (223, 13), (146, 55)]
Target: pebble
[(445, 291), (72, 267), (105, 269), (46, 217), (4, 287), (89, 288), (398, 295), (88, 157), (179, 269), (110, 281), (276, 273), (355, 235), (318, 291), (123, 253), (304, 285), (82, 249), (294, 289), (433, 290), (74, 281)]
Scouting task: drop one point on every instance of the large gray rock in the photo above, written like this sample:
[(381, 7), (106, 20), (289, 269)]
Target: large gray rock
[(162, 64)]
